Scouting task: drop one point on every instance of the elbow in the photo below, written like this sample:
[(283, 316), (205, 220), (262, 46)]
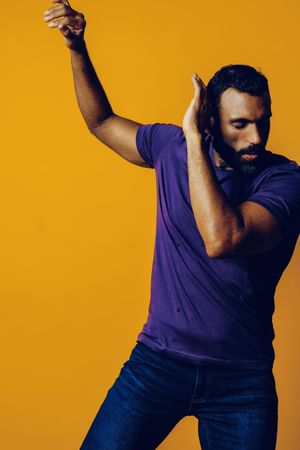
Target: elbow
[(227, 245), (95, 126), (214, 252), (220, 249)]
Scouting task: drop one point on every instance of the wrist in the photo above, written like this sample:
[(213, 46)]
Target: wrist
[(195, 142), (192, 136), (78, 47)]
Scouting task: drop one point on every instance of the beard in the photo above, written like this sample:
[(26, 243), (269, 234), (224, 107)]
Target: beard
[(234, 159)]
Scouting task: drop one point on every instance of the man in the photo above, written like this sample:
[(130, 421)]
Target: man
[(228, 220)]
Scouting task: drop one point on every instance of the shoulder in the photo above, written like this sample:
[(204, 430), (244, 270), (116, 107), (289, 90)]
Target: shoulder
[(159, 131), (152, 140), (277, 162), (277, 188), (279, 167)]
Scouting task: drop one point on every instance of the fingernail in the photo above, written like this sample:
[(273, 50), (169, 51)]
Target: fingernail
[(51, 24)]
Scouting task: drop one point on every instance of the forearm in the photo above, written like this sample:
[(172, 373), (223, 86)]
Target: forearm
[(218, 222), (91, 97)]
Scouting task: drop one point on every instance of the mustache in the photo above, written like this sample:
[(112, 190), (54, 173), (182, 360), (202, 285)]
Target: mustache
[(253, 150)]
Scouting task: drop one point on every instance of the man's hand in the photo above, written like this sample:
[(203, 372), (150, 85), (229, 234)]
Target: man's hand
[(194, 120), (71, 23)]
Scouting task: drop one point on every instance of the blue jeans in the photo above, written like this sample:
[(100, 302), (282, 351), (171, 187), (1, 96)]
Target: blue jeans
[(236, 408)]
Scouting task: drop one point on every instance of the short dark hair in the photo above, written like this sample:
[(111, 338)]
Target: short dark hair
[(241, 77)]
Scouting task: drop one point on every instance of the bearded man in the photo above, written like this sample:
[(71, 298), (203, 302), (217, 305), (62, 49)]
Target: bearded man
[(228, 219)]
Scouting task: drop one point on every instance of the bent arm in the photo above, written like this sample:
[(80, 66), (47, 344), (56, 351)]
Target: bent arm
[(112, 130)]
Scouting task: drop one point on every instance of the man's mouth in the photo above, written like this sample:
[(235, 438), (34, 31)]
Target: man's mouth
[(249, 157)]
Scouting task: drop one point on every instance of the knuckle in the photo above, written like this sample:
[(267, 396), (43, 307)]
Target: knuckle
[(81, 20), (52, 9), (62, 22)]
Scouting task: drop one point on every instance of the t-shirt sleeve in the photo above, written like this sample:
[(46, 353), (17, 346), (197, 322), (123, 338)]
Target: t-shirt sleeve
[(152, 138), (280, 194)]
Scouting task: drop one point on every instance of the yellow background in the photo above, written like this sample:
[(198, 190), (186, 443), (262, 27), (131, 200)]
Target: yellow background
[(78, 222)]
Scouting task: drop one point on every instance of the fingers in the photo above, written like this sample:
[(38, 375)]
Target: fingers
[(200, 89), (56, 11), (199, 80), (199, 101), (198, 83), (61, 23), (61, 10), (197, 90), (64, 2)]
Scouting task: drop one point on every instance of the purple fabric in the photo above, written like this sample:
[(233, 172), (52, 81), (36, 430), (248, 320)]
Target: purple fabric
[(207, 310)]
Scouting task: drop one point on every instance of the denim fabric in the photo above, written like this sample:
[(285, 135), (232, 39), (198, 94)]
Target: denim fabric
[(236, 408)]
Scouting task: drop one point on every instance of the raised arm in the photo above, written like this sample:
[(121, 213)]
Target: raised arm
[(112, 130)]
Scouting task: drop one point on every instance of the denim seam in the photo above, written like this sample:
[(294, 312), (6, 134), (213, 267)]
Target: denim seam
[(206, 393), (195, 387), (207, 435)]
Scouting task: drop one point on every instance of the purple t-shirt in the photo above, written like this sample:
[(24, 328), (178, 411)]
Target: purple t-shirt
[(207, 310)]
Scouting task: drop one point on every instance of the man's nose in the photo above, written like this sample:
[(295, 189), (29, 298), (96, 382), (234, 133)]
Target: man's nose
[(254, 137)]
